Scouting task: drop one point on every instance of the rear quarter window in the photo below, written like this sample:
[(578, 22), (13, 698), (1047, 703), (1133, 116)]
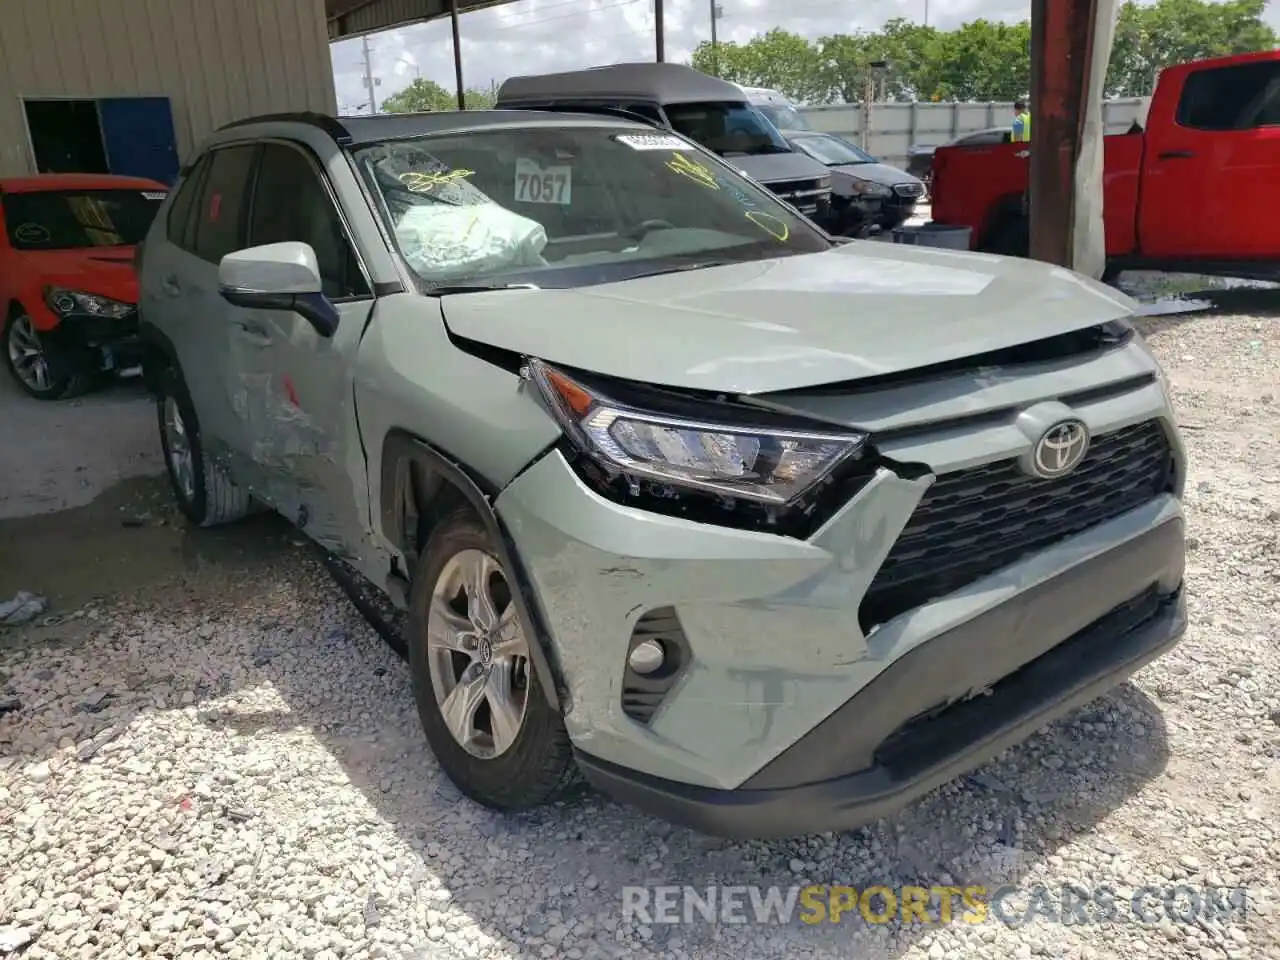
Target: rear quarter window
[(178, 222)]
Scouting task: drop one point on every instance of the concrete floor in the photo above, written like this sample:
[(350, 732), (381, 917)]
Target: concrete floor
[(58, 455)]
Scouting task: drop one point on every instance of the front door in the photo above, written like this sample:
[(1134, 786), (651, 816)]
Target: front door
[(296, 385), (139, 138), (1213, 166)]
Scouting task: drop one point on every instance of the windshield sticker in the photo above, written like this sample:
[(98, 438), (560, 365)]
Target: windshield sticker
[(538, 184), (31, 233), (694, 170), (419, 182), (652, 141), (773, 226), (153, 195)]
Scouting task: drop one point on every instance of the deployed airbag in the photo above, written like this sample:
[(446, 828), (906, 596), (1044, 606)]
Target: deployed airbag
[(446, 242)]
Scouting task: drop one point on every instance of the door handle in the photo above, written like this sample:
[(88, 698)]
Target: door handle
[(1175, 154), (171, 287)]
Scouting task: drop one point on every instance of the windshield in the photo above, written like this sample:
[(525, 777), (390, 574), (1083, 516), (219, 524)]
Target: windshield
[(784, 116), (570, 206), (76, 219), (726, 128), (833, 151)]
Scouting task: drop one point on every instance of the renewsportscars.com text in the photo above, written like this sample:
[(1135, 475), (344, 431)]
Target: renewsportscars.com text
[(1068, 903)]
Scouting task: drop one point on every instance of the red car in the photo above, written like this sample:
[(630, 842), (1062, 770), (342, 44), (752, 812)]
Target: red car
[(1196, 189), (67, 281)]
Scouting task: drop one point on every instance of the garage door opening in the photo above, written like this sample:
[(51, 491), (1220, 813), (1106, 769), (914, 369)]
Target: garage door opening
[(129, 136)]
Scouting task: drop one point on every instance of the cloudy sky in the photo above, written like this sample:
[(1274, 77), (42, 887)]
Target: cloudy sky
[(536, 36)]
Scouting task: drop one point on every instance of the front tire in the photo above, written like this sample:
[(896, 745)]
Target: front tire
[(479, 698), (27, 359), (205, 494)]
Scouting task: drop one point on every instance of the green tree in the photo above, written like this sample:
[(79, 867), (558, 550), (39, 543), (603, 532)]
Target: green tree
[(426, 95), (779, 60), (981, 60), (1150, 37)]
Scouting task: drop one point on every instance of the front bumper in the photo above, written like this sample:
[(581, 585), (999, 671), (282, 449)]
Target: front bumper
[(779, 634), (90, 344), (871, 757)]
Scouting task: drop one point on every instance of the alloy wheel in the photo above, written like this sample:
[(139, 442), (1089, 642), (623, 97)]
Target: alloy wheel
[(178, 446), (478, 655), (27, 355)]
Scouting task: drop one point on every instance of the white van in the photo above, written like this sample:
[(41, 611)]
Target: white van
[(782, 113)]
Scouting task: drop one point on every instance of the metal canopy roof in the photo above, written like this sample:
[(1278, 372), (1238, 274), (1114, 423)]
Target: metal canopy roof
[(350, 18)]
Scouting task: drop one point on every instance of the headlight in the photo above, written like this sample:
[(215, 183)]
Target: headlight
[(760, 463), (867, 188), (66, 302)]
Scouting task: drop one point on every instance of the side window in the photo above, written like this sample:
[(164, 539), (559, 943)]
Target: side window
[(1231, 98), (178, 223), (291, 203), (219, 220)]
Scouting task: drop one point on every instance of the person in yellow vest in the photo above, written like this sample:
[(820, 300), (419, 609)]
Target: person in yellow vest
[(1021, 123)]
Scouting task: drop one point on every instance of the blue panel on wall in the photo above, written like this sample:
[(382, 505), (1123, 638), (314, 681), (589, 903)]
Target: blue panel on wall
[(138, 134)]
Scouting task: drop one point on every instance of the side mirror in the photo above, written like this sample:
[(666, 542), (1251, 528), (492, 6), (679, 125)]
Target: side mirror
[(278, 276)]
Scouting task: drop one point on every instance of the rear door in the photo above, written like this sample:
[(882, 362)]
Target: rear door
[(296, 386), (218, 226), (1211, 176)]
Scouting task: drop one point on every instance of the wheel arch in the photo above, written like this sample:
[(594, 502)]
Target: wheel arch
[(158, 355), (420, 485), (1002, 211)]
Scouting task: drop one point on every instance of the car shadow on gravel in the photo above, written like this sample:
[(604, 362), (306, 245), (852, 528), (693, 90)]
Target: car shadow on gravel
[(266, 622), (547, 870)]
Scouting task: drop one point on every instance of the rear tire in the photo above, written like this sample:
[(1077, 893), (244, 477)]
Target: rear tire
[(1011, 237), (504, 746), (205, 494)]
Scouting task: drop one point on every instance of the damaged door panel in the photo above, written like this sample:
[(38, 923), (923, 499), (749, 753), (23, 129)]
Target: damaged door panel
[(291, 385)]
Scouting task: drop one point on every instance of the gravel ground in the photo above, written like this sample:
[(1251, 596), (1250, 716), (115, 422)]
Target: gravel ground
[(229, 764)]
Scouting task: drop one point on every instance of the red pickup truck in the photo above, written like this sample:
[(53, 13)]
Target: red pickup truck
[(1197, 190)]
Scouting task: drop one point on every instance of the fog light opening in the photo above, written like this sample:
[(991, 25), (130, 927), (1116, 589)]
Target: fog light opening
[(647, 657)]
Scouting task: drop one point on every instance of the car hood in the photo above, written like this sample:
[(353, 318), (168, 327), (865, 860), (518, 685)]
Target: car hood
[(106, 271), (862, 309), (775, 167), (875, 172)]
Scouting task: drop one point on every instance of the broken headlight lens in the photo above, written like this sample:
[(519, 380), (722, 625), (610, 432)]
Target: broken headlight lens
[(65, 302), (765, 464)]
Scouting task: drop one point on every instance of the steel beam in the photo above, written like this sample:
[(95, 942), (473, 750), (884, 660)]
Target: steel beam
[(1070, 46), (1061, 46)]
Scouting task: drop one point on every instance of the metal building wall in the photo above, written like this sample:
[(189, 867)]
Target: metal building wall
[(216, 60)]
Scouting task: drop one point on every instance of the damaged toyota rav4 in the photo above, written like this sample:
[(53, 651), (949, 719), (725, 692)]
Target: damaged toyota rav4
[(760, 531)]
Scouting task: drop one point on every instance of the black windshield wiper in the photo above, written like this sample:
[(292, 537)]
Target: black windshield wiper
[(478, 286)]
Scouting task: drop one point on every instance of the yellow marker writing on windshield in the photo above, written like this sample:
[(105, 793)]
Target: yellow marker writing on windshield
[(774, 226), (695, 171), (422, 182)]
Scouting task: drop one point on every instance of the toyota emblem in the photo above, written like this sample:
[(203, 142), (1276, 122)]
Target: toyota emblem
[(1061, 449)]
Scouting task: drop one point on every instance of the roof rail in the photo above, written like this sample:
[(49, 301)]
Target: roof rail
[(323, 121), (552, 107)]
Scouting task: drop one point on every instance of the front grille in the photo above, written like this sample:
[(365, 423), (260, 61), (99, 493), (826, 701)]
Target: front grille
[(973, 522), (800, 192), (910, 191)]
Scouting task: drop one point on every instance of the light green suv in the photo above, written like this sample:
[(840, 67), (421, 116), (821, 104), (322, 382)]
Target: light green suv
[(763, 532)]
